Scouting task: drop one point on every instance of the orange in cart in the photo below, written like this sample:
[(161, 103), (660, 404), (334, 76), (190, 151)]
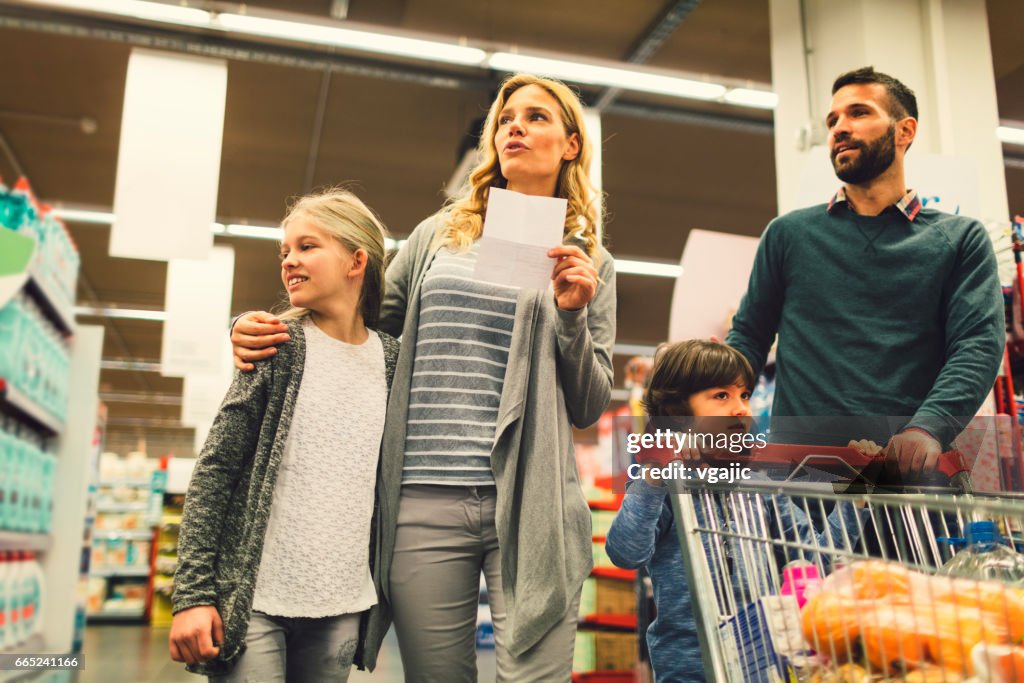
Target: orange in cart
[(876, 579), (829, 623), (891, 644), (1010, 665)]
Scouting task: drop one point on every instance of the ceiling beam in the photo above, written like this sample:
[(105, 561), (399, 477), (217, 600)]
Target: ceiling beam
[(27, 18), (672, 15)]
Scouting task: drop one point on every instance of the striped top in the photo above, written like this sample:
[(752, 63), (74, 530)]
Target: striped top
[(465, 331)]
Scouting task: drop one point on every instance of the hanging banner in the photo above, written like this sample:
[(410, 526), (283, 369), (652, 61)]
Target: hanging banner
[(699, 311), (168, 166), (198, 306)]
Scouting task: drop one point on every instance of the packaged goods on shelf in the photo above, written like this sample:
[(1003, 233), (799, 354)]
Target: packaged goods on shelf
[(166, 559), (127, 471), (26, 480), (21, 598), (607, 596), (35, 359), (601, 521), (56, 261), (604, 651)]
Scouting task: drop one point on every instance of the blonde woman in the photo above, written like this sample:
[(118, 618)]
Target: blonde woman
[(478, 470), (276, 553)]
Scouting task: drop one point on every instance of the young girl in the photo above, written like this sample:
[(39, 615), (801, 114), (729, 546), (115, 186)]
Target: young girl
[(702, 379), (277, 546)]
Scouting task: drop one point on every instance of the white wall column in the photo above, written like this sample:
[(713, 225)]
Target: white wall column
[(938, 48)]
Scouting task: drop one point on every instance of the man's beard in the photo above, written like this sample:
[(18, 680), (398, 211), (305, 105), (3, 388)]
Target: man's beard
[(874, 159)]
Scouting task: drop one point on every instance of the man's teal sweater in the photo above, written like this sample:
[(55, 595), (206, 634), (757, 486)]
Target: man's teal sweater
[(876, 316)]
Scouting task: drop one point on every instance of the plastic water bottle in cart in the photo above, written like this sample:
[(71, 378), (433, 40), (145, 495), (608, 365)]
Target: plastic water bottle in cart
[(985, 556)]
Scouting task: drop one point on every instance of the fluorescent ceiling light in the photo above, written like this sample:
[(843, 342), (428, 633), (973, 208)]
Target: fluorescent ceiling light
[(262, 232), (652, 268), (124, 313), (127, 364), (84, 216), (1011, 135), (138, 9), (267, 232), (335, 36), (748, 97), (634, 350), (594, 74)]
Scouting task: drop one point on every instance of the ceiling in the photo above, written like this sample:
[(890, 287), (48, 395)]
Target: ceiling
[(393, 134)]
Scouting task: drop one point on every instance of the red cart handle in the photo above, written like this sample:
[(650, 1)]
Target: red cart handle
[(828, 458)]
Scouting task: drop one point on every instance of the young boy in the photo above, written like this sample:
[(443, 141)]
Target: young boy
[(702, 379)]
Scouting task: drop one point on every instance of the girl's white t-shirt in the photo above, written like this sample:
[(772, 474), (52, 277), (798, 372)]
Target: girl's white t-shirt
[(315, 559)]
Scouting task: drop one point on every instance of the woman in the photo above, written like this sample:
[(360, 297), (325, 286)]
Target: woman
[(275, 558), (478, 470)]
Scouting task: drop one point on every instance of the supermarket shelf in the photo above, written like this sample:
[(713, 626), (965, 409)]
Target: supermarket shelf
[(110, 572), (117, 614), (123, 507), (623, 621), (12, 400), (609, 504), (614, 573), (60, 314), (126, 483), (129, 534), (17, 540)]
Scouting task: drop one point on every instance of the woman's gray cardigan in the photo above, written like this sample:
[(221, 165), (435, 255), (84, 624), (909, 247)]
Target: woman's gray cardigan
[(229, 497), (559, 374)]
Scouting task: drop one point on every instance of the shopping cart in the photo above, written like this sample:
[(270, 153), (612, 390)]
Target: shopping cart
[(868, 604)]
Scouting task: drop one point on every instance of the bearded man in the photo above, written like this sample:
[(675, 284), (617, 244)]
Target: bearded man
[(883, 307)]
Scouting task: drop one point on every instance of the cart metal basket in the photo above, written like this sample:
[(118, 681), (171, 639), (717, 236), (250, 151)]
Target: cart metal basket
[(881, 612)]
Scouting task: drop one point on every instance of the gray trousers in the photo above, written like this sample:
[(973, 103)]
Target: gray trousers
[(296, 650), (445, 537)]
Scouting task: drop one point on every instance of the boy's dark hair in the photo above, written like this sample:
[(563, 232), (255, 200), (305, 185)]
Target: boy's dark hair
[(686, 368), (902, 101)]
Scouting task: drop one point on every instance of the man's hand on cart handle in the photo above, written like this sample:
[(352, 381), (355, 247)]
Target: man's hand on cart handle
[(866, 446), (914, 451)]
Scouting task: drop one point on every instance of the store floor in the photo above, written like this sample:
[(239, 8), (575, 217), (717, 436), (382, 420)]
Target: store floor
[(138, 654)]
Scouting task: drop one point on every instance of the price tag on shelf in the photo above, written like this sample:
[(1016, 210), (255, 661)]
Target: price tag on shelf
[(16, 252)]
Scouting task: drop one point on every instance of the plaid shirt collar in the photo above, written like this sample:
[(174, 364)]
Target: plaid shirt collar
[(909, 205)]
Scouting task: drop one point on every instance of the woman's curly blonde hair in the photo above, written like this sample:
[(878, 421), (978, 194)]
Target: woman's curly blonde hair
[(465, 213)]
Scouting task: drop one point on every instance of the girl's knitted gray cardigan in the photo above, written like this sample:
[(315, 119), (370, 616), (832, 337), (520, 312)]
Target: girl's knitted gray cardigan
[(228, 502)]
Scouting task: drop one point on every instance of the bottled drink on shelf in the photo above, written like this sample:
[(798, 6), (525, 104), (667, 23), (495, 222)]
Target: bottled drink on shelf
[(5, 630)]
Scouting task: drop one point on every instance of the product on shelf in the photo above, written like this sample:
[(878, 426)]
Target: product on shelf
[(35, 359), (35, 370), (122, 537), (607, 596), (604, 651), (57, 261), (606, 641), (26, 480), (166, 559), (21, 598)]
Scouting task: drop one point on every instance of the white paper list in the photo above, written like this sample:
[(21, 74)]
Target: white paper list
[(518, 231)]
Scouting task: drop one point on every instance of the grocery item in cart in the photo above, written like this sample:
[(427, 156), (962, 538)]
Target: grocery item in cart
[(894, 619), (985, 556)]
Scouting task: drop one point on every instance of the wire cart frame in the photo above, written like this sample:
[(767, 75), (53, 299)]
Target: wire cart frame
[(896, 618)]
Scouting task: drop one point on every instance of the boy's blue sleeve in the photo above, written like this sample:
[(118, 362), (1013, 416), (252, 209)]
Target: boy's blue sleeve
[(638, 525), (793, 524)]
